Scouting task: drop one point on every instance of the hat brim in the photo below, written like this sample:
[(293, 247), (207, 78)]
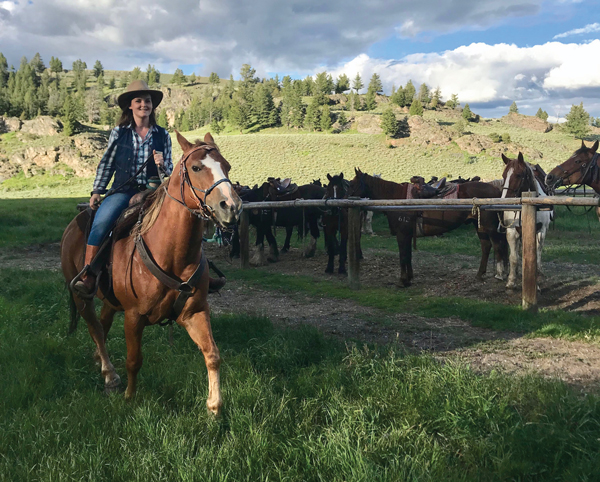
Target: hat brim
[(124, 100)]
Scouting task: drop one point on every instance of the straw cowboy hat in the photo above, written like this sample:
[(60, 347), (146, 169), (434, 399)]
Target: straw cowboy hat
[(135, 89)]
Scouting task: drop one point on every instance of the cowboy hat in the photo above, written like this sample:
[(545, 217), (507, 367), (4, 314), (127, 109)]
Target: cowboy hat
[(135, 89)]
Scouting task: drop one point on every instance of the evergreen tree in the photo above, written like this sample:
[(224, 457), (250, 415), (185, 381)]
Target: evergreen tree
[(112, 83), (216, 126), (230, 87), (370, 102), (192, 78), (178, 77), (389, 123), (313, 115), (513, 109), (37, 64), (436, 97), (342, 120), (238, 114), (263, 105), (98, 69), (375, 84), (69, 116), (325, 118), (214, 78), (124, 82), (453, 102), (357, 83), (3, 71), (342, 84), (162, 119), (247, 74), (152, 75), (466, 113), (416, 108), (308, 86), (323, 84), (136, 74), (542, 114), (56, 65), (398, 97), (460, 127), (424, 95), (286, 82), (409, 93), (80, 82), (578, 121), (100, 82)]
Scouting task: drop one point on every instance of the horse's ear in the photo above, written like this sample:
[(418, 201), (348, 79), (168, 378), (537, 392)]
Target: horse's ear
[(505, 159), (328, 177), (583, 146), (183, 142), (520, 157), (208, 138), (342, 175), (595, 147)]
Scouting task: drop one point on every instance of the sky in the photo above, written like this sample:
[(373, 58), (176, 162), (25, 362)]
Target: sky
[(490, 52)]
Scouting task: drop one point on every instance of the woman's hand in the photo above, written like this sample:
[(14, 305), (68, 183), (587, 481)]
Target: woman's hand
[(95, 201), (158, 159)]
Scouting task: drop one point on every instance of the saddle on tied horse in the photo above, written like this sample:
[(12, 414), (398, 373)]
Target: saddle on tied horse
[(159, 268)]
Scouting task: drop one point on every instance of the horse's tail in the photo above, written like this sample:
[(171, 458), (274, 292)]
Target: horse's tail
[(73, 313)]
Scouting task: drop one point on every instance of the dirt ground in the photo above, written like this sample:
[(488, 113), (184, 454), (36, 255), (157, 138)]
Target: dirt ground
[(564, 286)]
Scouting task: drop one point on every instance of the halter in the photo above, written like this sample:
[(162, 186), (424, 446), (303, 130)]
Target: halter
[(529, 177), (204, 211)]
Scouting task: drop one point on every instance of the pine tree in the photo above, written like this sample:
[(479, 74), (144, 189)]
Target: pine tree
[(3, 71), (466, 113), (79, 67), (136, 74), (263, 105), (435, 99), (323, 84), (162, 119), (124, 82), (460, 127), (152, 75), (370, 102), (178, 77), (513, 109), (214, 79), (192, 78), (247, 74), (398, 97), (112, 84), (37, 64), (342, 120), (357, 83), (342, 84), (56, 65), (424, 96), (98, 69), (389, 123), (578, 121), (238, 114), (416, 108), (69, 116), (375, 84), (216, 126), (313, 115), (409, 93), (325, 118), (542, 114), (453, 103)]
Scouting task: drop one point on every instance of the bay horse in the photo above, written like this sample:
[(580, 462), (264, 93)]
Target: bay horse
[(404, 224), (519, 177), (580, 169), (336, 220), (170, 233)]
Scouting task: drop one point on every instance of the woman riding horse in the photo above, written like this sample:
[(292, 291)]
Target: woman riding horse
[(130, 146)]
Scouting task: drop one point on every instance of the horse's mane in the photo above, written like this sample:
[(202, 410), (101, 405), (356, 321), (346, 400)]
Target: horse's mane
[(386, 189), (497, 183), (151, 206)]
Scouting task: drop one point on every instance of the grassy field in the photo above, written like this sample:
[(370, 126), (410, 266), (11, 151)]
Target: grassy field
[(297, 407)]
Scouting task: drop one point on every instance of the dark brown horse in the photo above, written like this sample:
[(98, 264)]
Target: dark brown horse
[(171, 229), (405, 225), (580, 169), (336, 220)]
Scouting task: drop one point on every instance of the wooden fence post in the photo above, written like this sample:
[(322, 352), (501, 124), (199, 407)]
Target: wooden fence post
[(245, 239), (354, 247), (529, 268)]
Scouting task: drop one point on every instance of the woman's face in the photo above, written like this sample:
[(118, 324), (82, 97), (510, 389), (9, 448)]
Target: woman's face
[(141, 106)]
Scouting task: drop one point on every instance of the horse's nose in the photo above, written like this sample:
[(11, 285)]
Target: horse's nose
[(549, 178)]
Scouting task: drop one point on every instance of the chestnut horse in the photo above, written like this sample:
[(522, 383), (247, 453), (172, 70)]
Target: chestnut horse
[(334, 220), (520, 176), (403, 224), (580, 169), (172, 231)]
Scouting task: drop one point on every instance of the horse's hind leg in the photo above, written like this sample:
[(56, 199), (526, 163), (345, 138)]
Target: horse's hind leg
[(486, 247), (88, 312), (107, 316), (198, 327), (513, 238)]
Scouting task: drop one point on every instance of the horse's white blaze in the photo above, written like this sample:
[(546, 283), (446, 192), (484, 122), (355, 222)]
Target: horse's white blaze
[(506, 182), (218, 174), (334, 192)]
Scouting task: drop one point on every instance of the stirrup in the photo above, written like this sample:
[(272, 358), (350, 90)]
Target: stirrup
[(85, 296)]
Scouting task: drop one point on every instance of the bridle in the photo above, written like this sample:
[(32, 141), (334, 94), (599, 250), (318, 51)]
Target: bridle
[(203, 211), (529, 177), (584, 170)]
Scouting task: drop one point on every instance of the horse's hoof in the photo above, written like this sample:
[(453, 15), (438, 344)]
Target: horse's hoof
[(499, 278), (511, 286), (284, 250), (342, 271), (113, 386), (215, 409), (479, 277), (329, 271)]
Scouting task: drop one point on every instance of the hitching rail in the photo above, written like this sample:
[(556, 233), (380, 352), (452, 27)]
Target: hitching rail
[(528, 204)]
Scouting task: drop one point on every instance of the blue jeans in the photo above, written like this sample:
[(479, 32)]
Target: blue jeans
[(107, 214)]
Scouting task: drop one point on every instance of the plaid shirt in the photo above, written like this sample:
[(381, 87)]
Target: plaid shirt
[(142, 148)]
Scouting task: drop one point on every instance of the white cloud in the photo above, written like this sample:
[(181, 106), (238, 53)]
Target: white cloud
[(592, 27)]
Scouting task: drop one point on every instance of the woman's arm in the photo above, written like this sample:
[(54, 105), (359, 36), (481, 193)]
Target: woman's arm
[(106, 166)]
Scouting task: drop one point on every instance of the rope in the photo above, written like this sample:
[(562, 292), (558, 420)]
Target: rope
[(476, 211)]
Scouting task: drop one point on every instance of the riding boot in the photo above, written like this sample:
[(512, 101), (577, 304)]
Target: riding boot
[(87, 283)]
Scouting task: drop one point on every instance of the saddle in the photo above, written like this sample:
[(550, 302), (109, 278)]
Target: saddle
[(426, 190), (283, 187)]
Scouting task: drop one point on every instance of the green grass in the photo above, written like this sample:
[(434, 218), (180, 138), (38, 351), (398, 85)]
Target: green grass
[(297, 407)]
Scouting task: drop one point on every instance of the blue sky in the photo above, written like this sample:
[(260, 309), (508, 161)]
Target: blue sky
[(488, 52)]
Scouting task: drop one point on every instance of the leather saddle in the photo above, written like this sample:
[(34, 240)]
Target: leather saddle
[(282, 187), (427, 191)]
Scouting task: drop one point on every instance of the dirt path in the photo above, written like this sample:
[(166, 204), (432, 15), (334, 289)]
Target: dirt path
[(565, 287)]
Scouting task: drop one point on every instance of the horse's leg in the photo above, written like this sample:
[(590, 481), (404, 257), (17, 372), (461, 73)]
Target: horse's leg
[(88, 312), (273, 251), (405, 251), (343, 254), (486, 246), (500, 253), (198, 327), (329, 239), (107, 315), (288, 237), (311, 249), (512, 236), (134, 327)]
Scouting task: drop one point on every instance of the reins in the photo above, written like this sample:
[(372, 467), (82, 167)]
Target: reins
[(583, 174)]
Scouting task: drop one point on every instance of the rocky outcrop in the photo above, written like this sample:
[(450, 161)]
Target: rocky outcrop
[(42, 126), (369, 124), (425, 132), (527, 122), (476, 144), (9, 124)]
